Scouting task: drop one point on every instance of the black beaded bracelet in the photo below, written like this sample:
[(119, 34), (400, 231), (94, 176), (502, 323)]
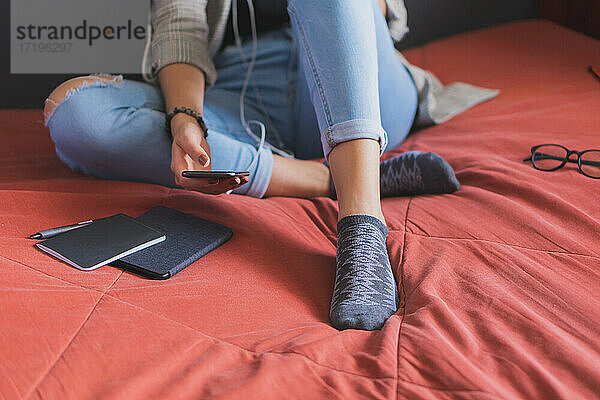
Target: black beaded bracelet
[(190, 112)]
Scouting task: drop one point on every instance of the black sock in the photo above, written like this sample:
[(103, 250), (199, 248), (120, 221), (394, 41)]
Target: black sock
[(365, 293), (412, 173)]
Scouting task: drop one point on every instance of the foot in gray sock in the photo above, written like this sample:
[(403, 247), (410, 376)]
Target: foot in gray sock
[(410, 174), (365, 293), (414, 172)]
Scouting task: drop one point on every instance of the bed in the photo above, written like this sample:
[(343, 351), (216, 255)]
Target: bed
[(499, 281)]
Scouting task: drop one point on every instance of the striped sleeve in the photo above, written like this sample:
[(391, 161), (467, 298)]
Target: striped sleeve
[(180, 35)]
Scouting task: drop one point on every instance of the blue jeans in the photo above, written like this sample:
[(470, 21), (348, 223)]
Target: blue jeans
[(333, 77)]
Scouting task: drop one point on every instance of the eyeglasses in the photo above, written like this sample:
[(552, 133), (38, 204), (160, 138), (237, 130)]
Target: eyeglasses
[(550, 157)]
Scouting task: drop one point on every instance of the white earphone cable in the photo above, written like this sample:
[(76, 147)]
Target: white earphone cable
[(238, 42), (145, 72)]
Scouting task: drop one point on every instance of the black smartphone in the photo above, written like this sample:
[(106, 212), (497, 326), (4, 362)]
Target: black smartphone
[(214, 174)]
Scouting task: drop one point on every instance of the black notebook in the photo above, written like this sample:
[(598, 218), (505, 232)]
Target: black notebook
[(188, 239), (101, 242)]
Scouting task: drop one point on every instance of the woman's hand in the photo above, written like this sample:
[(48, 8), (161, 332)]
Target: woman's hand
[(183, 85), (190, 151)]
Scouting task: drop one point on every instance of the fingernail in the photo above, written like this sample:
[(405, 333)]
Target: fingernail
[(237, 181)]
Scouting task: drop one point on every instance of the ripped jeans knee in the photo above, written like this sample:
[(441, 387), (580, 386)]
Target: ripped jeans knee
[(72, 86)]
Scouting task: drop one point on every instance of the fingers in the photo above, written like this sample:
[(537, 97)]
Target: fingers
[(181, 162), (218, 186), (229, 184), (191, 144), (178, 164), (190, 137), (190, 151)]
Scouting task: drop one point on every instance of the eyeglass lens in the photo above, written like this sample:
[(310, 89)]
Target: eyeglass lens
[(590, 163), (548, 157)]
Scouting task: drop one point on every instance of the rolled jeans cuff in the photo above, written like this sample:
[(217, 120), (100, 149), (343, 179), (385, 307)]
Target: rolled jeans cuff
[(353, 129), (260, 177)]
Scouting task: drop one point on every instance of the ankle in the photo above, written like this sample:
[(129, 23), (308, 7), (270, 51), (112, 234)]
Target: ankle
[(374, 212), (323, 177), (298, 178)]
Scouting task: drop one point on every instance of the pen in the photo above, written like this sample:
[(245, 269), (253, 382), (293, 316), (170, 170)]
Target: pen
[(48, 233), (593, 71)]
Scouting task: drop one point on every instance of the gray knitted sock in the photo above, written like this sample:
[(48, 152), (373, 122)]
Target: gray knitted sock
[(365, 293), (414, 172), (410, 174)]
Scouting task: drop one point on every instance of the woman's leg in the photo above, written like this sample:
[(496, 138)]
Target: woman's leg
[(270, 99), (339, 57), (117, 133), (298, 178), (397, 97), (114, 129), (410, 173)]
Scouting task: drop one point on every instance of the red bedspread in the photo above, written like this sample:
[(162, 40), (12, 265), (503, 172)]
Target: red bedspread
[(500, 281)]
